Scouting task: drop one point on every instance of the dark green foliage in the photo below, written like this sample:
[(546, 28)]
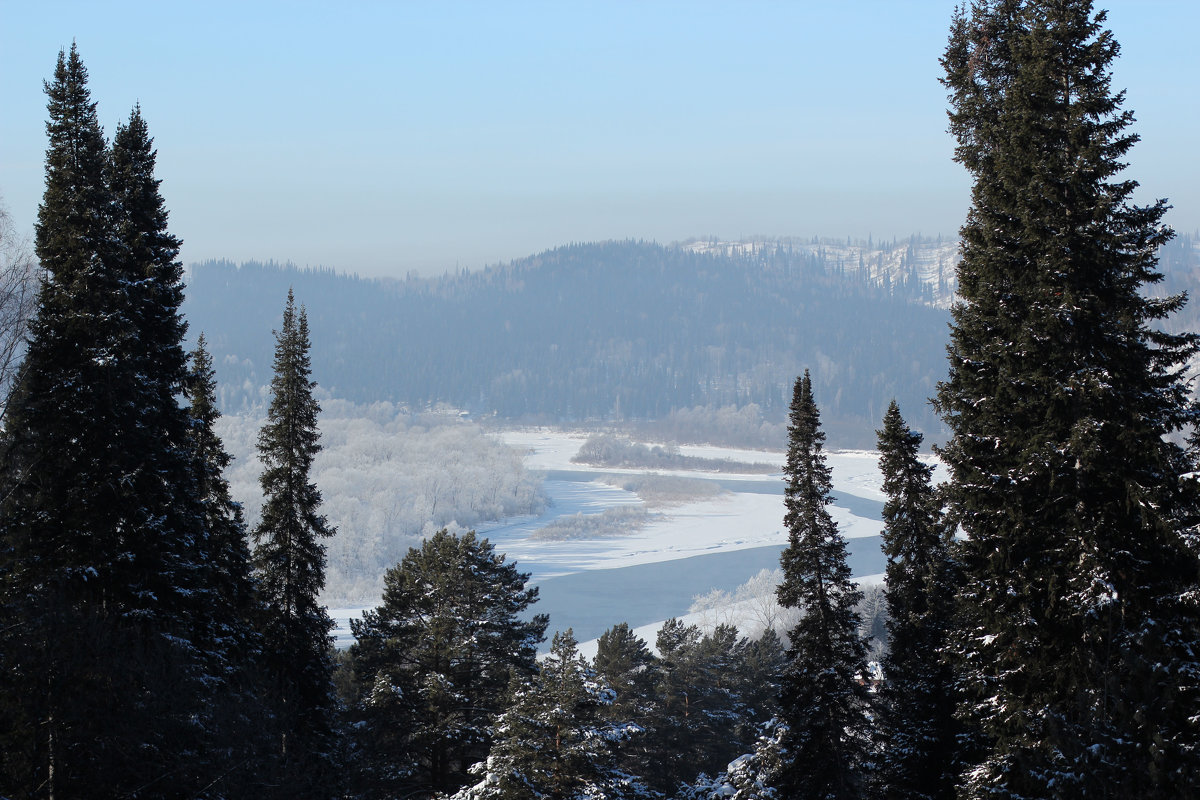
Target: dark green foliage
[(763, 661), (228, 539), (1079, 619), (711, 694), (758, 754), (434, 662), (624, 663), (235, 648), (822, 702), (110, 683), (552, 742), (915, 729), (289, 562), (672, 734)]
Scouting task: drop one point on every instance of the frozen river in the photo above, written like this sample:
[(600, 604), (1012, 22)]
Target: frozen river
[(684, 551), (592, 602)]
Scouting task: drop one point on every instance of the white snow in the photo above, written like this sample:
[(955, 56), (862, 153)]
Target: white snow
[(738, 615), (732, 521)]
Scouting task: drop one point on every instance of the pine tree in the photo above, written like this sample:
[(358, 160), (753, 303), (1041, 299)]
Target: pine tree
[(724, 726), (672, 739), (234, 646), (762, 663), (436, 658), (552, 742), (99, 567), (822, 703), (289, 562), (1079, 610), (915, 728), (624, 663)]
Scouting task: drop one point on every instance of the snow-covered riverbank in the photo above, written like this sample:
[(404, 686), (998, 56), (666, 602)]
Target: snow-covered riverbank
[(654, 573)]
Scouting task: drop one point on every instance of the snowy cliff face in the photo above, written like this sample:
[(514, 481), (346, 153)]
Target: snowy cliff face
[(914, 262)]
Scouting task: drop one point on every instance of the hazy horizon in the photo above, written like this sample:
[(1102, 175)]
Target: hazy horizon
[(387, 138)]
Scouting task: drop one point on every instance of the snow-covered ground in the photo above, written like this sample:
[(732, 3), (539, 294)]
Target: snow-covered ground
[(733, 521), (682, 552)]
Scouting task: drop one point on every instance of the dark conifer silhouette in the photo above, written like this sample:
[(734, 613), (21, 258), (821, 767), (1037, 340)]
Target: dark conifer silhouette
[(915, 727), (1079, 603), (435, 660), (289, 562), (109, 673), (823, 699)]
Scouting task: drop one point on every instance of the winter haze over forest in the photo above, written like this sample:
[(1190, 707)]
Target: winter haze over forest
[(615, 401)]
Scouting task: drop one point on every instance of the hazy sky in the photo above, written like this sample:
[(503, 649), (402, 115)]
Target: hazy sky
[(386, 137)]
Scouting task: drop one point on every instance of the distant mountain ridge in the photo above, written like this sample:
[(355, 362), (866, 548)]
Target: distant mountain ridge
[(617, 331)]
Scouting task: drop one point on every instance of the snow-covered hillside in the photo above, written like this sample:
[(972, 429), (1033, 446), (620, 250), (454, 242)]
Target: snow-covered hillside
[(931, 262)]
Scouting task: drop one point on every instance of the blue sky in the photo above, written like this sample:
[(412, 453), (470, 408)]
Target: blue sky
[(387, 137)]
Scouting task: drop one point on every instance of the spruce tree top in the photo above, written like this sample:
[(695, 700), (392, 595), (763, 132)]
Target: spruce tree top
[(76, 192), (822, 701), (810, 562)]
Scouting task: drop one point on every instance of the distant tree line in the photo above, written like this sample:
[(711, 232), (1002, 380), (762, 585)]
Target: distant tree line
[(606, 450)]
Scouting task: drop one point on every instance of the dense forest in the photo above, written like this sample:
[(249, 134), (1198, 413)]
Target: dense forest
[(1043, 604), (618, 331)]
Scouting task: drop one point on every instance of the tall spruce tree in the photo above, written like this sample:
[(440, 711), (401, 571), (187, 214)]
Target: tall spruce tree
[(235, 648), (915, 727), (228, 545), (289, 562), (435, 660), (823, 704), (100, 572), (1078, 642)]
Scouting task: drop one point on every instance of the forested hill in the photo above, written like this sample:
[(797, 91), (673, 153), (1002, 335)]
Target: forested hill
[(614, 331)]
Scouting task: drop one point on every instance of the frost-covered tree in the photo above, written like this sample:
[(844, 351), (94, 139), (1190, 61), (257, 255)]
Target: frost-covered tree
[(823, 703), (552, 741), (289, 563), (915, 728), (435, 660), (1078, 642)]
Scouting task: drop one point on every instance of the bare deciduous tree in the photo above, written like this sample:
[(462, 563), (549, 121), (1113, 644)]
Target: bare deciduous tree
[(19, 273)]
